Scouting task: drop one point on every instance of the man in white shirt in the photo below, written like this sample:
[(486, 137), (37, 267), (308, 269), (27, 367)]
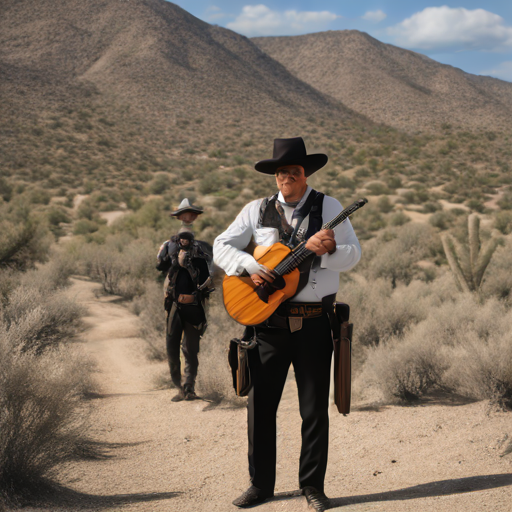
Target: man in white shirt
[(296, 212)]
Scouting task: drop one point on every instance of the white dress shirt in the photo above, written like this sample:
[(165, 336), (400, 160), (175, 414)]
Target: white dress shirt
[(228, 247)]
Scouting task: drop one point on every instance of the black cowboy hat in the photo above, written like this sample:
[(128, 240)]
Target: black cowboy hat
[(291, 152), (185, 206)]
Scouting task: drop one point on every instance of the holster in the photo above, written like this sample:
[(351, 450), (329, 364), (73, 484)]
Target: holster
[(238, 359), (342, 339)]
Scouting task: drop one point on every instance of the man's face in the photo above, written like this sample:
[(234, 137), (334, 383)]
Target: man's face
[(184, 242), (291, 181), (187, 217)]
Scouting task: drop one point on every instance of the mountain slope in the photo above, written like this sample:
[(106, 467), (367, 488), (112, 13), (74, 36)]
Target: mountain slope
[(149, 54), (391, 85)]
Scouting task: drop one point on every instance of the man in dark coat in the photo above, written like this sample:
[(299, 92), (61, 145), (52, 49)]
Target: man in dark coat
[(187, 264)]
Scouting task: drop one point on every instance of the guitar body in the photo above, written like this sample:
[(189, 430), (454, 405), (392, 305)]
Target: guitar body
[(241, 299)]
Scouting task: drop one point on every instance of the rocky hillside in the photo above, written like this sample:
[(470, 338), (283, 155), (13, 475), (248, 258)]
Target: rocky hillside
[(150, 56), (391, 85)]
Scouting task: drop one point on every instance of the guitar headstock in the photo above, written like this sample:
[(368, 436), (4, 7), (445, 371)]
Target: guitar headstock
[(360, 202)]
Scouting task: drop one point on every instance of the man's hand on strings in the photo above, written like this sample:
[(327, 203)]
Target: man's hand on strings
[(262, 275), (322, 242)]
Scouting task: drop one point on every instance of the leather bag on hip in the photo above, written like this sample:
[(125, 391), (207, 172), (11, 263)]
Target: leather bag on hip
[(342, 358)]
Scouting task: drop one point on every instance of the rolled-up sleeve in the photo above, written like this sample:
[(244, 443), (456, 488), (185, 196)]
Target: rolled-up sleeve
[(228, 247), (348, 249)]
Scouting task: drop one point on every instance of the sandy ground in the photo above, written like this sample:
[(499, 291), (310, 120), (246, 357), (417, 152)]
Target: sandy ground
[(191, 456)]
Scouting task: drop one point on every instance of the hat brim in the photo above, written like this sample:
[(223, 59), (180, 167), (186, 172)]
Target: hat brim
[(184, 210), (311, 164)]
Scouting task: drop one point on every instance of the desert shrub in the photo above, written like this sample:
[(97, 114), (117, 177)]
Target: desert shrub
[(5, 189), (24, 240), (461, 346), (405, 370), (442, 220), (432, 207), (377, 188), (381, 312), (42, 419), (399, 219), (482, 369), (384, 204), (503, 222), (56, 215), (42, 381), (35, 320), (122, 265), (51, 275), (394, 182), (160, 184), (505, 202), (498, 277), (85, 226), (394, 254)]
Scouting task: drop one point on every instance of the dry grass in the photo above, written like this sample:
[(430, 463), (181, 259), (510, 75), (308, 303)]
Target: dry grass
[(42, 418), (461, 346), (42, 380)]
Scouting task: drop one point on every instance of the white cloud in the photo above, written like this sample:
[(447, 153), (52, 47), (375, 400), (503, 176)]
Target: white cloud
[(444, 28), (374, 16), (259, 20), (214, 13), (502, 70)]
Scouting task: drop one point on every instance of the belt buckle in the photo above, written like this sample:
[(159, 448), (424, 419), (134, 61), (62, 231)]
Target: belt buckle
[(295, 323)]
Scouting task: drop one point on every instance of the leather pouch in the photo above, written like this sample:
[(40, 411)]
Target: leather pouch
[(342, 358), (238, 359)]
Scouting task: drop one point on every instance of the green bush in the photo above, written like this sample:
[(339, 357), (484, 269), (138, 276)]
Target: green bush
[(399, 219), (160, 184), (24, 241), (384, 204), (85, 226)]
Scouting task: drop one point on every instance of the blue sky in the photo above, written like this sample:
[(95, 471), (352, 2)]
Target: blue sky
[(475, 36)]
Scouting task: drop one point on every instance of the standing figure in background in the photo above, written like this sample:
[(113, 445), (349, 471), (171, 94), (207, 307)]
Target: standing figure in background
[(299, 331), (187, 262)]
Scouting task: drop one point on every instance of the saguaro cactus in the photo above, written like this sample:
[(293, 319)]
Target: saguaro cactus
[(468, 264)]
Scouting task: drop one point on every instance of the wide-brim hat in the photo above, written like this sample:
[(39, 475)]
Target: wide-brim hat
[(185, 206), (291, 152)]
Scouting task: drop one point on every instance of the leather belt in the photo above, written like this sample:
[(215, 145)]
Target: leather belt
[(300, 309), (183, 298)]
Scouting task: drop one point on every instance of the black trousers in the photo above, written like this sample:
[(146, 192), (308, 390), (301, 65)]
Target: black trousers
[(186, 320), (310, 352)]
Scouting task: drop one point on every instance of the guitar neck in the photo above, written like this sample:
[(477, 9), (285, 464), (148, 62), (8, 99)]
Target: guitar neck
[(300, 253)]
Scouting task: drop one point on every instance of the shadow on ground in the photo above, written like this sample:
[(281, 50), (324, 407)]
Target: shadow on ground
[(56, 498), (441, 488)]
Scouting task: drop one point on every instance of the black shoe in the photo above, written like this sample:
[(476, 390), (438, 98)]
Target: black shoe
[(190, 395), (179, 397), (189, 392), (317, 500), (252, 497)]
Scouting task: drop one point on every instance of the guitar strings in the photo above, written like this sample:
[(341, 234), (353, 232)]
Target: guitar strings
[(300, 253)]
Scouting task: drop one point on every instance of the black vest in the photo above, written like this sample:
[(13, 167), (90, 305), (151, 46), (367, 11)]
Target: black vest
[(269, 216)]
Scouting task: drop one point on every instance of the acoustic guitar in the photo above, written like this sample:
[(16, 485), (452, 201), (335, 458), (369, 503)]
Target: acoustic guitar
[(251, 304)]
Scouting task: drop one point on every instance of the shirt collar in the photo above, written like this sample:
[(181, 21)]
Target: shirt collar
[(280, 197)]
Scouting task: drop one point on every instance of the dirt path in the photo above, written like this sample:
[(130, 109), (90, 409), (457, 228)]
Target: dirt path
[(191, 457)]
